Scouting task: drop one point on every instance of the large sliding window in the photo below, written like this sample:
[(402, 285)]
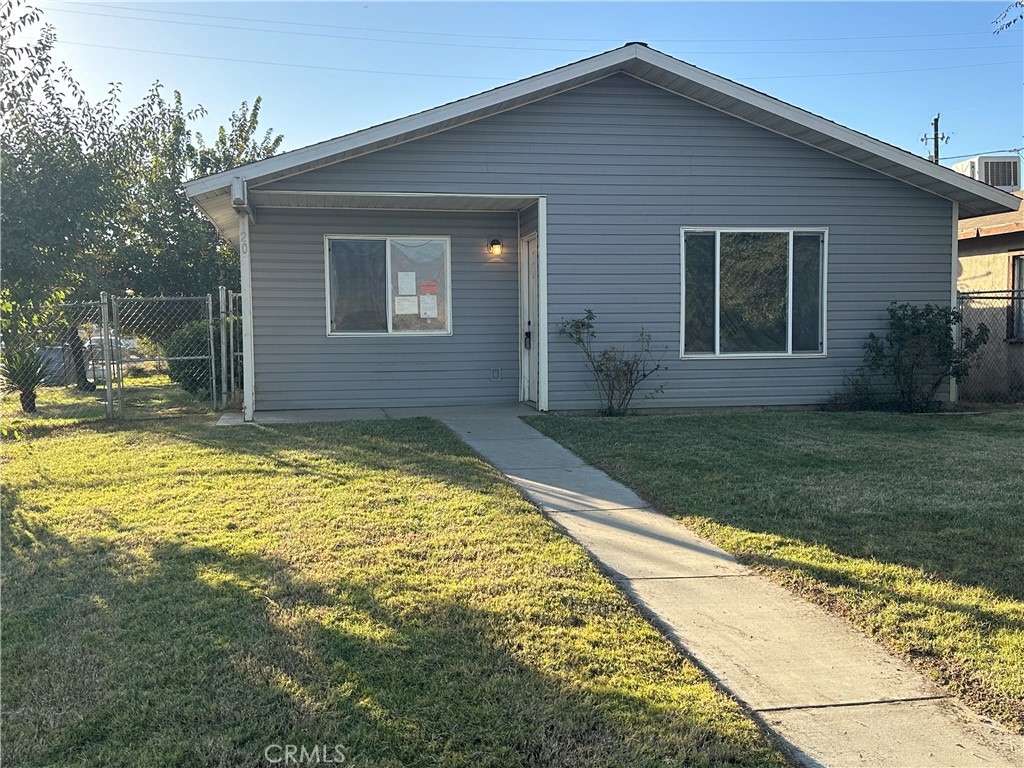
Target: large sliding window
[(753, 292), (388, 285)]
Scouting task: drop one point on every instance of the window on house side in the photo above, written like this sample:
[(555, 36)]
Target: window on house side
[(756, 292), (388, 285)]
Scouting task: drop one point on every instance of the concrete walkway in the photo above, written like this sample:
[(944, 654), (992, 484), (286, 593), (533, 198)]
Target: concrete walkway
[(833, 697)]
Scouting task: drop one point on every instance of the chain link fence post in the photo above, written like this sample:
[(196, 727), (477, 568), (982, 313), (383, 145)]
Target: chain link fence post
[(119, 371), (222, 294), (108, 373), (209, 344)]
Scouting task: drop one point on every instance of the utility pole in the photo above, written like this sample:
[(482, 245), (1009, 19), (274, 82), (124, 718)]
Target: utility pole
[(935, 138)]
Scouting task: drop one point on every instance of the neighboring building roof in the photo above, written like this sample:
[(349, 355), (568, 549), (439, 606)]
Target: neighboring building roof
[(975, 198), (996, 224)]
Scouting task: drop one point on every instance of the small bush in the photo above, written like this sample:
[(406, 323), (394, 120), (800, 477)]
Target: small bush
[(920, 352), (616, 372), (190, 341), (22, 371), (858, 393)]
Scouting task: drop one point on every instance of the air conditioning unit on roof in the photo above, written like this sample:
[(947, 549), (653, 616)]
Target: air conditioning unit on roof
[(1002, 171)]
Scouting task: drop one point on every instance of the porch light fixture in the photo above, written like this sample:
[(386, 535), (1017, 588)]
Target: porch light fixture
[(494, 247)]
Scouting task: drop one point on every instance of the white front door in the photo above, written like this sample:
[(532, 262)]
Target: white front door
[(529, 326)]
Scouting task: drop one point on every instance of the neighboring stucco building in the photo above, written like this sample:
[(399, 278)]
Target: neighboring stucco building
[(991, 278), (759, 244), (991, 251)]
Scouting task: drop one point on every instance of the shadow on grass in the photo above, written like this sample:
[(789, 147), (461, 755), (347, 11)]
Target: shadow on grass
[(144, 397), (192, 655), (336, 452), (939, 493), (966, 681)]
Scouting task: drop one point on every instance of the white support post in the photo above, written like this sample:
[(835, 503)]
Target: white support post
[(954, 273), (248, 377), (542, 300)]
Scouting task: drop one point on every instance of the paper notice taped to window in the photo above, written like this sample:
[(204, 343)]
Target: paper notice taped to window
[(407, 283), (428, 306), (408, 305)]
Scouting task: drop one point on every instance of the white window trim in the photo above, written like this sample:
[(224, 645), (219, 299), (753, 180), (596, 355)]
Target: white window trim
[(788, 354), (390, 309)]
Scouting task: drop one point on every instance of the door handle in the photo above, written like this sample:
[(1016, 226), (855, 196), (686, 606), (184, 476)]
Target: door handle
[(527, 340)]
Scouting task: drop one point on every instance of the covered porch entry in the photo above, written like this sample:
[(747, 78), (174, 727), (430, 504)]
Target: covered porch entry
[(485, 300)]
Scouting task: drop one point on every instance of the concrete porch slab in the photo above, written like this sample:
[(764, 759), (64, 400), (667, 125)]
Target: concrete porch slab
[(480, 417)]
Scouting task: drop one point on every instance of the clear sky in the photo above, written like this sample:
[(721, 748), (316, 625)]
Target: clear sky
[(325, 69)]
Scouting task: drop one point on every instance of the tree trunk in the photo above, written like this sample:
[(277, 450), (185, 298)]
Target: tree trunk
[(28, 400)]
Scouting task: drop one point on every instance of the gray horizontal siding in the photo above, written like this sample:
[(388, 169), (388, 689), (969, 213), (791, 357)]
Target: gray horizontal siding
[(528, 220), (624, 165), (298, 366)]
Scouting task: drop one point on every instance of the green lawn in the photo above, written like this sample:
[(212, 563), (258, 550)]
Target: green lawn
[(911, 526), (146, 394), (176, 594)]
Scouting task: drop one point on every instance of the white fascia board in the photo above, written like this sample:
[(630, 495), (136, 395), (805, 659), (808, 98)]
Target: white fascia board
[(422, 121), (802, 117)]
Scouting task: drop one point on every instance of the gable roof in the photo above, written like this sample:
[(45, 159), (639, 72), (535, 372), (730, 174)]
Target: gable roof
[(651, 66), (996, 224)]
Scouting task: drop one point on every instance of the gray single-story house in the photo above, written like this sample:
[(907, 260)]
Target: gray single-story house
[(430, 260)]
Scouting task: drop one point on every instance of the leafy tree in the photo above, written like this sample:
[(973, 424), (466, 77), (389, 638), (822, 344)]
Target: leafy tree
[(236, 146), (1013, 13), (60, 160), (162, 244), (93, 199)]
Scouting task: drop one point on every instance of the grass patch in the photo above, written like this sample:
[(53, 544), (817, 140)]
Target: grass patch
[(912, 526), (146, 394), (177, 594)]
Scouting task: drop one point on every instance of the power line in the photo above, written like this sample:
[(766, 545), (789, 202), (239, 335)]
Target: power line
[(490, 78), (278, 63), (1013, 151), (877, 71), (330, 35), (335, 36), (319, 25)]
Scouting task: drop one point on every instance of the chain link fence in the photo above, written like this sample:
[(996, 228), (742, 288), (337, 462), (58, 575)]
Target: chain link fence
[(122, 357), (998, 374), (164, 337)]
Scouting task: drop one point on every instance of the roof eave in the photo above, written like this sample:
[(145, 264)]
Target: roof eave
[(974, 197), (323, 153)]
